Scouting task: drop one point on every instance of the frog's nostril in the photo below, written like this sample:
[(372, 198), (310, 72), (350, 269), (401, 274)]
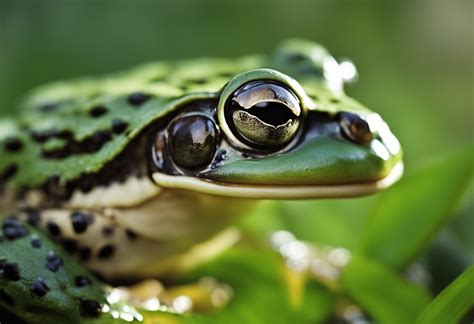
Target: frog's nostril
[(355, 128)]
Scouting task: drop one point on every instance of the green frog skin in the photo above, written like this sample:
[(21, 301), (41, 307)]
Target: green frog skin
[(137, 174)]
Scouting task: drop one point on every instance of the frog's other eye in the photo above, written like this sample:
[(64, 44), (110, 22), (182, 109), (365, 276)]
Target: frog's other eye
[(354, 128), (263, 114), (192, 141)]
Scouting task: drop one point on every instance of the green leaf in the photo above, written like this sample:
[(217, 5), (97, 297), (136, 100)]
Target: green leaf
[(452, 303), (382, 293), (408, 215)]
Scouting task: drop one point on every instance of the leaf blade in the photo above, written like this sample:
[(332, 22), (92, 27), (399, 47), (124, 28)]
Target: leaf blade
[(382, 293), (452, 303), (408, 215)]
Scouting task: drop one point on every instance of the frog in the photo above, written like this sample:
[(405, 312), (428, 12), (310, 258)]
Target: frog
[(142, 173)]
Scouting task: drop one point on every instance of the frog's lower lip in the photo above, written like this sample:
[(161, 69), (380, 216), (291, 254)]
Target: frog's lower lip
[(279, 191)]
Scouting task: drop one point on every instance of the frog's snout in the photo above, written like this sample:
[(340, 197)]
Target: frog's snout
[(270, 140)]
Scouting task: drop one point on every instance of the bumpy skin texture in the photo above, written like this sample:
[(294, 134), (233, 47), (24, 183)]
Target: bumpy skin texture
[(42, 284), (136, 98), (70, 129)]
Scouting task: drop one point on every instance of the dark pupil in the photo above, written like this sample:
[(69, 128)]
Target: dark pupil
[(192, 141), (273, 113)]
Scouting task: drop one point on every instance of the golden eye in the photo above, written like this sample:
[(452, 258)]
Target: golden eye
[(263, 114)]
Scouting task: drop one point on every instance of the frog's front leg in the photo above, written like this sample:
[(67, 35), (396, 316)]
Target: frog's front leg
[(40, 283), (97, 239), (108, 248), (102, 241)]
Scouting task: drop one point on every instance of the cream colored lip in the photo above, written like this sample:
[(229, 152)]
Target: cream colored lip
[(281, 191)]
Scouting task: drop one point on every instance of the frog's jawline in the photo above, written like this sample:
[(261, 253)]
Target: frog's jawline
[(281, 191)]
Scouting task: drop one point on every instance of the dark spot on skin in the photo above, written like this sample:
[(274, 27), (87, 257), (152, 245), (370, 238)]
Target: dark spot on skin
[(296, 58), (64, 134), (13, 144), (108, 231), (53, 228), (80, 221), (48, 107), (313, 71), (89, 308), (84, 253), (13, 229), (32, 216), (88, 145), (69, 244), (10, 270), (225, 74), (98, 139), (82, 281), (137, 98), (119, 126), (53, 261), (97, 111), (86, 186), (6, 298), (36, 242), (39, 287), (131, 234), (8, 172), (56, 188), (41, 136), (106, 251), (198, 81)]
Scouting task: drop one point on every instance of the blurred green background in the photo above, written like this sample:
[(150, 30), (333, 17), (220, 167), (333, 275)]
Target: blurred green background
[(415, 62)]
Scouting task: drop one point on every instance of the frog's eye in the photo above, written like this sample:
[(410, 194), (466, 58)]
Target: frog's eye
[(263, 114), (192, 141), (354, 127)]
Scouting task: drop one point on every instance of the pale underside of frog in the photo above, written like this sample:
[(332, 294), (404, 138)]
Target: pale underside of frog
[(134, 172)]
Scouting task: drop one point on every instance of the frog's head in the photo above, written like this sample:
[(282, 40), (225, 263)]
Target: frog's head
[(287, 131)]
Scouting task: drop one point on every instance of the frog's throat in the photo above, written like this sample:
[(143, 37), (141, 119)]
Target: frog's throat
[(279, 191)]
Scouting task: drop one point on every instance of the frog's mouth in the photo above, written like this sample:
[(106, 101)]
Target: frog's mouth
[(279, 191), (319, 168)]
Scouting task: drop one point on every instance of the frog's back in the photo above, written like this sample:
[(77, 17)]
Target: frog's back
[(67, 131)]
